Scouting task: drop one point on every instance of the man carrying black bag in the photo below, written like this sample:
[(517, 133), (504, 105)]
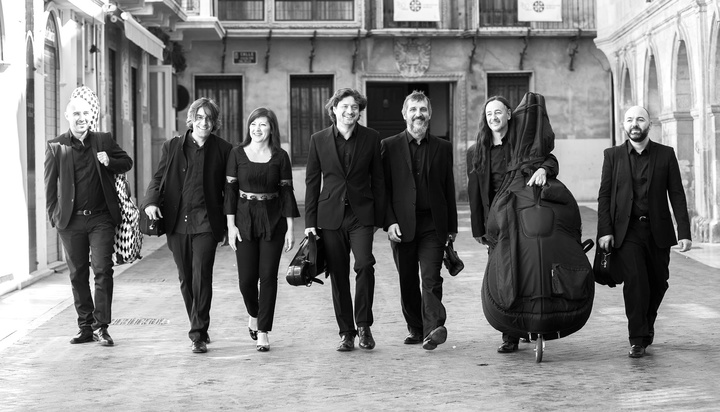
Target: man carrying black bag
[(192, 168), (634, 221), (421, 216)]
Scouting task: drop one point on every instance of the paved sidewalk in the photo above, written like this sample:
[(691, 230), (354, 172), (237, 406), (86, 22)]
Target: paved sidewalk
[(151, 366)]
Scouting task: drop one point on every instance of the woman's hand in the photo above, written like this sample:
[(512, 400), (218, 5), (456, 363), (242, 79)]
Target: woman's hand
[(233, 234), (289, 240)]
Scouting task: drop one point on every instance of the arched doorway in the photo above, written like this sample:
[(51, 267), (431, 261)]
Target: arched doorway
[(652, 99), (684, 130), (30, 142), (51, 72)]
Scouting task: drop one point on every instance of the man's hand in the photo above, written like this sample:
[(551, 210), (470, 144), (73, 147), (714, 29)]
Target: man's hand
[(606, 242), (685, 244), (452, 236), (479, 240), (309, 230), (153, 212), (538, 178), (394, 233), (103, 158)]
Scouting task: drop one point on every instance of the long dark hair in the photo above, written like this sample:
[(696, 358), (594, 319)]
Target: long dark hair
[(274, 128), (484, 137)]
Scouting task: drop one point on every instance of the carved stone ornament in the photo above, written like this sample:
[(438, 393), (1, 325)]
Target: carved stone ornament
[(412, 56)]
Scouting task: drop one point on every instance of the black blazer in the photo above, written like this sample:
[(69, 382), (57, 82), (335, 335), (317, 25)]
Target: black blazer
[(615, 195), (479, 189), (400, 185), (363, 185), (61, 168), (217, 152)]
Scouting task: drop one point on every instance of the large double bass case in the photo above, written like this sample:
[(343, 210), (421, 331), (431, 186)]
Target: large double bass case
[(538, 282)]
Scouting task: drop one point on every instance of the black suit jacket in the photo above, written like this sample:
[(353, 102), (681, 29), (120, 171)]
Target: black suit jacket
[(401, 191), (479, 189), (216, 152), (60, 176), (616, 194), (363, 185)]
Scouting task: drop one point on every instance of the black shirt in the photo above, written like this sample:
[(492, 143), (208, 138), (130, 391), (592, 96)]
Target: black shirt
[(193, 217), (345, 148), (498, 166), (88, 190), (418, 157), (639, 169)]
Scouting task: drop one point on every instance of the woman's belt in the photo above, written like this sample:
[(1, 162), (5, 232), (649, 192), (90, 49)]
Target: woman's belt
[(258, 196)]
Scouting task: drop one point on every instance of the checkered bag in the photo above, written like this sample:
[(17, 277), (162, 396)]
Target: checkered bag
[(128, 239)]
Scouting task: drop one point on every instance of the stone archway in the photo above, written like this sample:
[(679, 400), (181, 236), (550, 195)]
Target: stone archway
[(652, 98)]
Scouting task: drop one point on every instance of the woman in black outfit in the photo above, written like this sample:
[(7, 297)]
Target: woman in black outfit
[(487, 163), (260, 206)]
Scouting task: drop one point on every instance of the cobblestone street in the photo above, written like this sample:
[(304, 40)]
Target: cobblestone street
[(151, 366)]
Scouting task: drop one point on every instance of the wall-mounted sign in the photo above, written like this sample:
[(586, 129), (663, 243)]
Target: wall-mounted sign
[(245, 57), (539, 10), (416, 10)]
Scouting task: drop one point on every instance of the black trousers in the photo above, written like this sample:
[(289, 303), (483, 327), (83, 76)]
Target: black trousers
[(194, 255), (351, 236), (645, 280), (258, 261), (88, 241), (421, 302)]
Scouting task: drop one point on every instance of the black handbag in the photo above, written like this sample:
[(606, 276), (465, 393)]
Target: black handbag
[(603, 270), (452, 261), (151, 227), (308, 263)]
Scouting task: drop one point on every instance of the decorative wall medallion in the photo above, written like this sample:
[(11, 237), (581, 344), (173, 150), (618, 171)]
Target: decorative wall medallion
[(412, 56)]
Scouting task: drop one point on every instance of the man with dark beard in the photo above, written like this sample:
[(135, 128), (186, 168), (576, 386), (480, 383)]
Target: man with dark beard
[(421, 217), (634, 222)]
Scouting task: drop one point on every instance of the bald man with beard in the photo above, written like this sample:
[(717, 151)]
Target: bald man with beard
[(634, 222)]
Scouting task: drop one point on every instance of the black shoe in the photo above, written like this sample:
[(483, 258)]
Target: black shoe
[(413, 338), (347, 343), (199, 346), (84, 335), (507, 347), (636, 351), (434, 338), (366, 340), (253, 334), (103, 337)]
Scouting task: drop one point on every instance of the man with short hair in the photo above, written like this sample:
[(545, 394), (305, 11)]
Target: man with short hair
[(421, 217), (82, 204), (634, 220), (345, 197), (191, 202)]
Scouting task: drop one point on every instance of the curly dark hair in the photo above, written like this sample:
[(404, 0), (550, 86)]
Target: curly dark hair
[(341, 94)]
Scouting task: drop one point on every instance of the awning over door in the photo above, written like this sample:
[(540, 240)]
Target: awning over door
[(139, 35)]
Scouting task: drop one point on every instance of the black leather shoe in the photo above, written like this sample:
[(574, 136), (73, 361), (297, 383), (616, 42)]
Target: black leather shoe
[(413, 338), (253, 334), (366, 340), (507, 347), (347, 343), (83, 336), (199, 346), (436, 337), (103, 337), (636, 351)]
